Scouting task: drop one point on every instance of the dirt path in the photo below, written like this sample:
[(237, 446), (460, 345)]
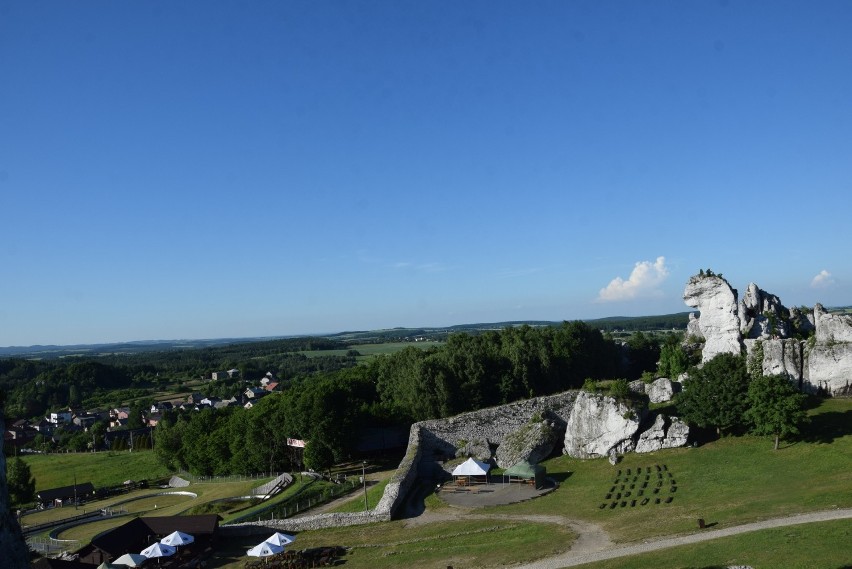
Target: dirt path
[(594, 544), (576, 557)]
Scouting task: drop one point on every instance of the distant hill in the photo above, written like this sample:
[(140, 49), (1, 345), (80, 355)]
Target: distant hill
[(676, 321)]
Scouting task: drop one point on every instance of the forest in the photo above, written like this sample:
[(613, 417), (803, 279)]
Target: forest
[(330, 399)]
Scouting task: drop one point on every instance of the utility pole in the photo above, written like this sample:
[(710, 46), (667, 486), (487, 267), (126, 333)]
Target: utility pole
[(364, 481)]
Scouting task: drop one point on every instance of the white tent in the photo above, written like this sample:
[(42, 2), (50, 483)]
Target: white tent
[(469, 469), (265, 549), (177, 538), (279, 538), (130, 560), (158, 550)]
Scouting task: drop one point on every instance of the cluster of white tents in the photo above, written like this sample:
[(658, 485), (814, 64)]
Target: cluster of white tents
[(473, 469), (166, 547), (271, 545)]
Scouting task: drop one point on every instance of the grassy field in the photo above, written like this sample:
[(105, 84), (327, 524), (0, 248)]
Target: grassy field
[(460, 544), (823, 545), (356, 504), (101, 469), (728, 482), (370, 351)]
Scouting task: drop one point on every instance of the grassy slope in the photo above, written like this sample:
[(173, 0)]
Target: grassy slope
[(727, 482), (811, 546), (101, 469)]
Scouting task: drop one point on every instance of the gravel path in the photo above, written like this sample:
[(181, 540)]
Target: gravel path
[(580, 555)]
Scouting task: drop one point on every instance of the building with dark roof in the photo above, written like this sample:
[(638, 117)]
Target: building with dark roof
[(64, 494), (139, 533)]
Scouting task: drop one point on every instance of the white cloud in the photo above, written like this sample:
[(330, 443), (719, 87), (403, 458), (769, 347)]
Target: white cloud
[(822, 280), (643, 282)]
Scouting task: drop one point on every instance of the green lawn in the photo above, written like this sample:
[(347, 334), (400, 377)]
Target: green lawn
[(390, 545), (101, 469), (728, 482), (356, 504), (824, 545)]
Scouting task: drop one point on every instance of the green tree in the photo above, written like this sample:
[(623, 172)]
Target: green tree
[(776, 408), (673, 361), (318, 456), (20, 482), (716, 395)]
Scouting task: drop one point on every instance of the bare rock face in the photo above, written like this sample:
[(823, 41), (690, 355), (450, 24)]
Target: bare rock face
[(477, 448), (533, 442), (829, 368), (832, 328), (693, 328), (677, 434), (719, 322), (664, 433), (780, 357), (637, 386), (599, 424), (762, 315), (661, 390), (13, 548)]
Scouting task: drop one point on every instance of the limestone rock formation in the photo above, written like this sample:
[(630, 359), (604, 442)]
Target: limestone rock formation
[(637, 386), (832, 328), (661, 390), (762, 315), (767, 329), (533, 442), (663, 433), (829, 368), (599, 424), (677, 433), (718, 323)]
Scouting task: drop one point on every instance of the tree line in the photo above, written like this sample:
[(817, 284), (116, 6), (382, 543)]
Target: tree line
[(329, 410)]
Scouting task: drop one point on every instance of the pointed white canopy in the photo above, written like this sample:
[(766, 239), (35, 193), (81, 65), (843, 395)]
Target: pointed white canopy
[(130, 560), (279, 538), (472, 467), (177, 538), (158, 550), (265, 549)]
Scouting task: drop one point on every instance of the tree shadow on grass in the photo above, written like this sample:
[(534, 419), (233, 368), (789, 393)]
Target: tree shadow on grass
[(827, 427), (560, 476)]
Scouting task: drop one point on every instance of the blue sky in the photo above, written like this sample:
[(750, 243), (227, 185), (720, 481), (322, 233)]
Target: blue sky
[(227, 169)]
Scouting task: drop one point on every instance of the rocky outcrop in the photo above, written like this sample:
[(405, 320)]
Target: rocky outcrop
[(719, 324), (762, 316), (600, 424), (533, 442), (663, 433), (773, 333), (829, 368), (661, 390), (832, 328), (442, 438), (479, 449)]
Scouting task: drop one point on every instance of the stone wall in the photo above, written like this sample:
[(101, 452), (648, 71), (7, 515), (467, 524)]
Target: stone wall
[(442, 437)]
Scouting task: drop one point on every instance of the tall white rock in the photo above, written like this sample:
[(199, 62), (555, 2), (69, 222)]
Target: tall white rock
[(719, 322), (600, 424)]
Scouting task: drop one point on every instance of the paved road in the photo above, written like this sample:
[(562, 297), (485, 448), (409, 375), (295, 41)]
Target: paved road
[(573, 557)]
